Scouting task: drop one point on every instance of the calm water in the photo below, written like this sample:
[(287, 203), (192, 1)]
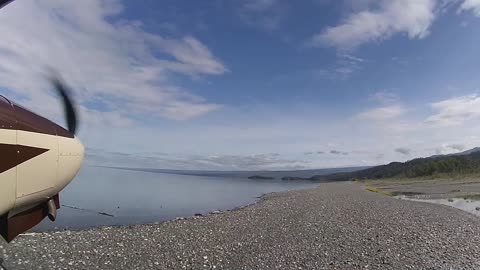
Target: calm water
[(462, 204), (135, 197)]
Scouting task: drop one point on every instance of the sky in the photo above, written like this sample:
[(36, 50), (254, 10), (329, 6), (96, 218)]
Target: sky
[(251, 85)]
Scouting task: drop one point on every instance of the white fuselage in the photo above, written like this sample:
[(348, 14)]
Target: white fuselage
[(37, 159)]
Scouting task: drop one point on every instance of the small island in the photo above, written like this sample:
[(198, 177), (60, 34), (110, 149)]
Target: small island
[(293, 178), (260, 177)]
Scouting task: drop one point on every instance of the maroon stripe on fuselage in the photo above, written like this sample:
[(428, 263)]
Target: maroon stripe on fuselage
[(7, 117), (14, 116), (14, 154)]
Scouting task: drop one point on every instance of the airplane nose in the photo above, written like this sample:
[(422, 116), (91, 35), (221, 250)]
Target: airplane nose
[(71, 147), (70, 158)]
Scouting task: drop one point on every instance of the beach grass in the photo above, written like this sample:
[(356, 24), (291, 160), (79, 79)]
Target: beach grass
[(472, 197), (378, 190)]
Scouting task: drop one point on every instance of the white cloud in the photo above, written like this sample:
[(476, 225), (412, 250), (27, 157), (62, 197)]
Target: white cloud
[(376, 20), (352, 58), (102, 57), (455, 111), (382, 113), (412, 17), (347, 64), (203, 144), (267, 161), (456, 146), (250, 162), (472, 5), (447, 148)]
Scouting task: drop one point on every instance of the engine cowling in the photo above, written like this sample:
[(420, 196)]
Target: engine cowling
[(38, 158)]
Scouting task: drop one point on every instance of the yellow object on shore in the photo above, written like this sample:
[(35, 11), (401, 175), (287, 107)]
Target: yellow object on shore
[(378, 190)]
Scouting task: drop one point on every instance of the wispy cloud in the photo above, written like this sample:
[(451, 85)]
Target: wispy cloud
[(449, 148), (413, 17), (373, 21), (267, 161), (455, 111), (471, 5), (352, 58), (384, 97), (382, 113), (258, 161), (347, 64), (103, 57), (457, 146)]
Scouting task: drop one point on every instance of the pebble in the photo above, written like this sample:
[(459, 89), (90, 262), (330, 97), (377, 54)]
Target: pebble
[(334, 226)]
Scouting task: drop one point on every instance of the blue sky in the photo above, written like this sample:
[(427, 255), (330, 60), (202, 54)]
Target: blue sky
[(266, 84)]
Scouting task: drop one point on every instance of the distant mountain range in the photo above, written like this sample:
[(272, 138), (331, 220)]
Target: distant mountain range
[(463, 163), (467, 152)]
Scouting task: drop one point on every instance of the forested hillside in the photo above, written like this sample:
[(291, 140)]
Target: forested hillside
[(454, 165)]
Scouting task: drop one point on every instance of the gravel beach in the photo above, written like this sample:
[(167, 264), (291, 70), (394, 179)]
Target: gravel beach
[(334, 226)]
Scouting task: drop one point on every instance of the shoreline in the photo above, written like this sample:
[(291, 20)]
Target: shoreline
[(457, 193), (333, 226), (256, 200), (260, 199)]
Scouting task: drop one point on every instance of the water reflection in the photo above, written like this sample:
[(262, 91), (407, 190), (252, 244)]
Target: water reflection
[(104, 196)]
